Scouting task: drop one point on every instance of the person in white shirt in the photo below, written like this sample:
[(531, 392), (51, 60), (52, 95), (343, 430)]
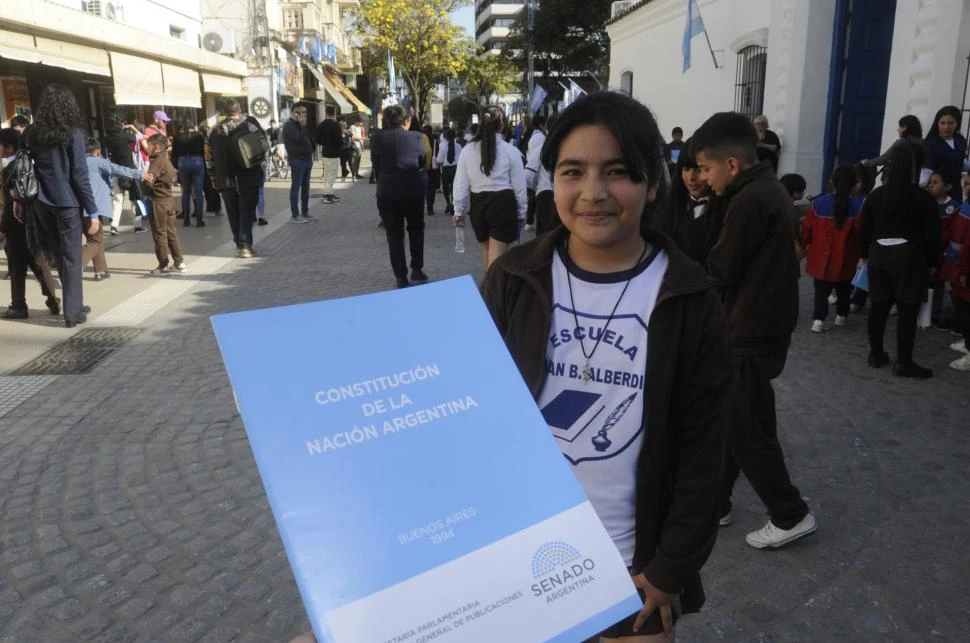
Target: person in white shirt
[(532, 166), (490, 187), (449, 151)]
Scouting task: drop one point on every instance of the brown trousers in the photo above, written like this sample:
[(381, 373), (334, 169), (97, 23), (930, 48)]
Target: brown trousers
[(94, 250), (165, 232)]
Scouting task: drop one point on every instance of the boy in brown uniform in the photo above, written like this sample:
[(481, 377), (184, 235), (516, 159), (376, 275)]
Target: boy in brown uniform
[(164, 231)]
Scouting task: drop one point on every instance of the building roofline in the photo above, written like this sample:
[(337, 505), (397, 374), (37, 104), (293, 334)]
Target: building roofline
[(626, 13)]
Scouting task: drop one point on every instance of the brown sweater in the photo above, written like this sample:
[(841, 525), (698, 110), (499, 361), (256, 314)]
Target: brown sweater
[(754, 262), (165, 177)]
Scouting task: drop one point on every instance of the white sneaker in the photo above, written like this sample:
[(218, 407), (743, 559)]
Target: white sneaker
[(726, 519), (833, 299), (528, 227), (841, 320), (771, 537), (962, 364), (960, 347), (182, 267), (819, 326)]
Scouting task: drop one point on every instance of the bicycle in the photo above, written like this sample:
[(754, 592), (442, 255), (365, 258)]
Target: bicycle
[(278, 167)]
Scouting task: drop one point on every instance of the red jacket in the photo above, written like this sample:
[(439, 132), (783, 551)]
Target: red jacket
[(833, 253), (956, 252)]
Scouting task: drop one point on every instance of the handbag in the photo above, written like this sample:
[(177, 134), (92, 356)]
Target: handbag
[(22, 180)]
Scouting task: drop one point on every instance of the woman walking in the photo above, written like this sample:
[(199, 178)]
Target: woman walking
[(448, 155), (900, 238), (397, 156), (490, 187), (57, 147), (188, 155)]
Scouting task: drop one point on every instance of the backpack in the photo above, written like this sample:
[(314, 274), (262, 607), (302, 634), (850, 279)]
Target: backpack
[(248, 146), (22, 181)]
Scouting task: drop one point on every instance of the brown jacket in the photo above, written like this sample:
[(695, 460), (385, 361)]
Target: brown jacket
[(688, 380), (754, 262), (165, 177)]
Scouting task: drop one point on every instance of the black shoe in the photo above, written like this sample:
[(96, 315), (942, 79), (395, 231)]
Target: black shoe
[(54, 305), (913, 370), (85, 310), (17, 313), (418, 276), (187, 222), (402, 282), (878, 360), (80, 320), (262, 221), (199, 223)]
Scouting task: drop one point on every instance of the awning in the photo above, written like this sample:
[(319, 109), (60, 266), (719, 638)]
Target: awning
[(224, 85), (339, 85), (345, 107), (138, 81), (181, 87), (26, 48)]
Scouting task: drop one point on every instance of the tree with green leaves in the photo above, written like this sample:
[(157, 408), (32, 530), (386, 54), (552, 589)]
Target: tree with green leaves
[(461, 108), (568, 37), (427, 48), (489, 73)]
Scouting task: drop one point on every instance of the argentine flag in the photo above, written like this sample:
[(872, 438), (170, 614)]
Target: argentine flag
[(694, 27)]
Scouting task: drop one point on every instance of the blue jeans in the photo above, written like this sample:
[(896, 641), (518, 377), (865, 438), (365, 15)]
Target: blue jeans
[(300, 187), (191, 175)]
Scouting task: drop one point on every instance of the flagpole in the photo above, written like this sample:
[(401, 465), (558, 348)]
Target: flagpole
[(706, 37)]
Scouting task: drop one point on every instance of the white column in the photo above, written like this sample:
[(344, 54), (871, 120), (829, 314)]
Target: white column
[(796, 93)]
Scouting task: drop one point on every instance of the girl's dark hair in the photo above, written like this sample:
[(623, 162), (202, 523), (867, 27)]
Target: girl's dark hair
[(670, 214), (900, 178), (844, 179), (393, 116), (492, 123), (449, 135), (57, 116), (948, 110), (912, 125), (433, 141), (867, 176), (631, 124)]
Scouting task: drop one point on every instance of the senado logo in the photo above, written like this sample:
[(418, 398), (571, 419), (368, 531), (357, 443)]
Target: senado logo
[(559, 569)]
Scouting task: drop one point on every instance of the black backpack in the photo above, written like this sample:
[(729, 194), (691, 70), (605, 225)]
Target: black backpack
[(248, 144), (22, 181)]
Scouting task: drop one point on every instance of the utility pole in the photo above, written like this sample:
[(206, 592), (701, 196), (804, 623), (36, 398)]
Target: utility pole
[(530, 24)]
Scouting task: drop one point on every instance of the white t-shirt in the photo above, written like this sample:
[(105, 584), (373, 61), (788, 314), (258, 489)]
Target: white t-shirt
[(598, 424)]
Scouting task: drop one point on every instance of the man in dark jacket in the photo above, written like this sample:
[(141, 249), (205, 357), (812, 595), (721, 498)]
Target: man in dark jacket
[(299, 154), (756, 269), (331, 140), (239, 186)]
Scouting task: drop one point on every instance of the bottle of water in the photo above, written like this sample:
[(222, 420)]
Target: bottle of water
[(460, 239)]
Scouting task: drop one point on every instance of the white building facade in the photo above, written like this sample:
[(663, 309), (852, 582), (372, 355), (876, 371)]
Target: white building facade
[(893, 57), (493, 19)]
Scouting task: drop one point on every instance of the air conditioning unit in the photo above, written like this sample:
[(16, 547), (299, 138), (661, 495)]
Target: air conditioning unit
[(219, 41), (109, 9), (621, 6)]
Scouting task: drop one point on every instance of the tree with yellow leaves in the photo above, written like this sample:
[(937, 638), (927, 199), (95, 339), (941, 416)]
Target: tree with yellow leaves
[(427, 48)]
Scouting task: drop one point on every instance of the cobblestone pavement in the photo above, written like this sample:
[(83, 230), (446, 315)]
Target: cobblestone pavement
[(131, 509)]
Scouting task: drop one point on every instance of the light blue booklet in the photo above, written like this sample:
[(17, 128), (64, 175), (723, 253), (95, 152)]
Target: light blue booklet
[(416, 486)]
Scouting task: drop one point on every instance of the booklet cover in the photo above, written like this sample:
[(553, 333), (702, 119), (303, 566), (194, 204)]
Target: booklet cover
[(415, 484)]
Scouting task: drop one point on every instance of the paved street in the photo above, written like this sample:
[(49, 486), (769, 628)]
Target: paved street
[(131, 509)]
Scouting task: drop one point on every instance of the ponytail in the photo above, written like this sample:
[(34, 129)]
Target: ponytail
[(492, 124), (843, 180)]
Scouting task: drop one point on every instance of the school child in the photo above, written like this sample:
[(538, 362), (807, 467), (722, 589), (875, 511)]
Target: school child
[(490, 187), (691, 217), (940, 187), (829, 238), (602, 271), (955, 268), (756, 270), (164, 230), (449, 151), (102, 171), (13, 230)]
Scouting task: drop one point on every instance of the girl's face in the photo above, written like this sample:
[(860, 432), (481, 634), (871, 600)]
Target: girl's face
[(598, 202), (937, 188), (947, 125), (696, 186)]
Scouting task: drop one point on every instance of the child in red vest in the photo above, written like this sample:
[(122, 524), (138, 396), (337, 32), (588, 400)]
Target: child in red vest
[(829, 238), (939, 187), (954, 268)]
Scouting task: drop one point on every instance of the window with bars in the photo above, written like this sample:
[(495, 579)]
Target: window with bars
[(749, 90)]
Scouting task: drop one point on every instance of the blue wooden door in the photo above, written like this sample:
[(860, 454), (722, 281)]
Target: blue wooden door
[(862, 45)]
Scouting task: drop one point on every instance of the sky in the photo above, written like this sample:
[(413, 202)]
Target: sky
[(465, 17)]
